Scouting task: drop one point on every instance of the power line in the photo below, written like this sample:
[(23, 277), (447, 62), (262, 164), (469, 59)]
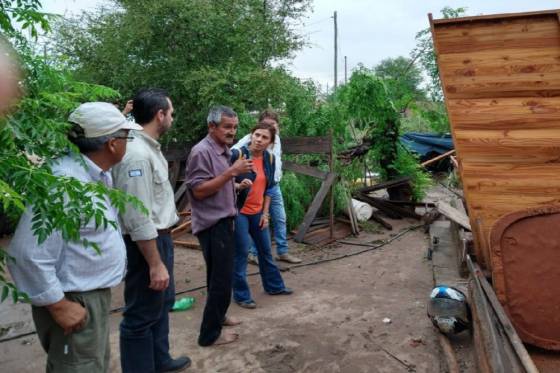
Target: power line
[(319, 21)]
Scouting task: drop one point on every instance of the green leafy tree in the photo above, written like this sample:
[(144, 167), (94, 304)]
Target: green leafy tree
[(203, 52), (425, 54), (433, 113), (403, 80), (26, 14), (33, 136), (369, 106)]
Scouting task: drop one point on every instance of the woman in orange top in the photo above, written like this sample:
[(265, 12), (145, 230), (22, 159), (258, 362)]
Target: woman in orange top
[(252, 219)]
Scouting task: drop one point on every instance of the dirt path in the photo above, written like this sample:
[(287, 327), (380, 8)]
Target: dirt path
[(332, 323)]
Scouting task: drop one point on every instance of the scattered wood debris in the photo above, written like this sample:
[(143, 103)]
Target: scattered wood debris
[(439, 157), (391, 208), (181, 234), (499, 348), (454, 215)]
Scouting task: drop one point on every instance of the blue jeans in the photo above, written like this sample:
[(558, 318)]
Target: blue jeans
[(278, 220), (247, 227), (144, 339)]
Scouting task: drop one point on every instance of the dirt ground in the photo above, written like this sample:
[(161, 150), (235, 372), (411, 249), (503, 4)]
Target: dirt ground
[(334, 322)]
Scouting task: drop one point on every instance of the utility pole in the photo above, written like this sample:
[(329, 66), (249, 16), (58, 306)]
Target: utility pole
[(335, 53), (345, 69)]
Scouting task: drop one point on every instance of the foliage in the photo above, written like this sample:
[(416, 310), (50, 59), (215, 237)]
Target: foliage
[(367, 101), (207, 52), (298, 194), (25, 13), (202, 52), (426, 117), (425, 54), (403, 80), (407, 164), (32, 137), (370, 108), (414, 122), (433, 113), (360, 109)]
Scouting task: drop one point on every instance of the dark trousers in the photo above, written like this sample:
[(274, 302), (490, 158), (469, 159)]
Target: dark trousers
[(144, 339), (218, 247)]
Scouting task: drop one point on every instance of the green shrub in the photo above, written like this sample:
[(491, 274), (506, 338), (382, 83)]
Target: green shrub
[(298, 192)]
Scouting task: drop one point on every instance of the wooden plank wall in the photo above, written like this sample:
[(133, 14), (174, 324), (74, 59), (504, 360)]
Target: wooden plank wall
[(501, 81)]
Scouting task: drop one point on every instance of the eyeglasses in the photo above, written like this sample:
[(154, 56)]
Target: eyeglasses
[(128, 138)]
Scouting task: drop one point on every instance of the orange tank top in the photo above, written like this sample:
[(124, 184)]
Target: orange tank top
[(255, 199)]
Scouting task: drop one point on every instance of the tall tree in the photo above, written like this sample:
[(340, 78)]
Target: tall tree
[(203, 52), (425, 54), (403, 79)]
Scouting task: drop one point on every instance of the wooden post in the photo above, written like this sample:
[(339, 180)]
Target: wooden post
[(439, 157), (331, 199), (335, 53), (315, 206), (449, 354), (174, 172), (486, 290), (345, 69)]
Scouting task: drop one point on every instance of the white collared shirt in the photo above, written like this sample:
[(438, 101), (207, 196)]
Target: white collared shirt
[(46, 271), (144, 173)]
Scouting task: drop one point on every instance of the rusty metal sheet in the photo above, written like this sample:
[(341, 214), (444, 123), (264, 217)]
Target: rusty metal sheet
[(525, 248)]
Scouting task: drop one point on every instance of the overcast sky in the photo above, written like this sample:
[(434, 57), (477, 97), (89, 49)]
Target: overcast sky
[(368, 31)]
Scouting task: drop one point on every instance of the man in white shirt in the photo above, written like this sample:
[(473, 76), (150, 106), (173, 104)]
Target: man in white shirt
[(68, 282), (149, 286)]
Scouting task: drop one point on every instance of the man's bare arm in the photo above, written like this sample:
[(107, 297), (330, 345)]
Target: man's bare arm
[(159, 276)]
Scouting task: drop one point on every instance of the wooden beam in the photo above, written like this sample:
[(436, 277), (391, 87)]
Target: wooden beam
[(392, 211), (320, 221), (449, 353), (412, 203), (331, 191), (439, 157), (306, 145), (188, 244), (322, 236), (180, 191), (380, 220), (385, 185), (491, 347), (304, 170), (174, 172), (350, 210), (492, 17), (387, 210), (513, 337), (181, 228), (315, 206), (454, 214)]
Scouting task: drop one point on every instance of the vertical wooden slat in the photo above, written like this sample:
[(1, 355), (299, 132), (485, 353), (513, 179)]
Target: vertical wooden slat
[(331, 199)]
